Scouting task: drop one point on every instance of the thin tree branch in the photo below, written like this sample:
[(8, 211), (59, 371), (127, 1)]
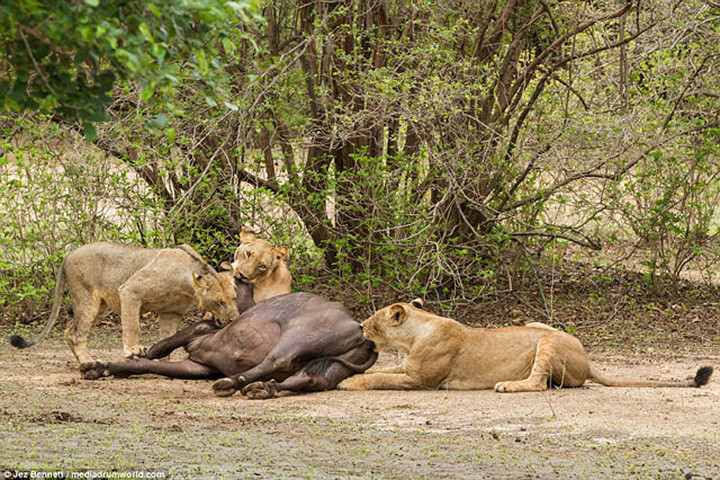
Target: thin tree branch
[(585, 242)]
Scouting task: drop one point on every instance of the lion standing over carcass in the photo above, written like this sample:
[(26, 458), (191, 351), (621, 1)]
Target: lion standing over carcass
[(442, 353), (130, 281)]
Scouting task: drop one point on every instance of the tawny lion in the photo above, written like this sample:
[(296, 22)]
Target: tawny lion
[(442, 353)]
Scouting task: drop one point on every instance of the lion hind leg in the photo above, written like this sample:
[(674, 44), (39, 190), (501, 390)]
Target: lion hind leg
[(540, 325), (86, 312), (559, 360), (168, 324), (539, 374)]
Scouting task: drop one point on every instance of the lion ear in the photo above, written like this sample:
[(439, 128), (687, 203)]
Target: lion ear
[(225, 267), (280, 253), (247, 234), (197, 281), (397, 314), (418, 303)]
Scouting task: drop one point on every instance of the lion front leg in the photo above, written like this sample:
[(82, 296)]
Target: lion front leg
[(130, 319), (395, 369), (381, 381)]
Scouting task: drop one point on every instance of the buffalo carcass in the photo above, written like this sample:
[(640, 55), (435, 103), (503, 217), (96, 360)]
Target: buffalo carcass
[(296, 342)]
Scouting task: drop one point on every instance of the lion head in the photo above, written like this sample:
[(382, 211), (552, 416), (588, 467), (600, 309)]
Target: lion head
[(396, 326), (255, 259), (215, 293)]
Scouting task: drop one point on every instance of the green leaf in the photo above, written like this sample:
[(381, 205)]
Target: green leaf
[(228, 45), (92, 3), (155, 10), (158, 122), (147, 92), (90, 131), (158, 51), (81, 55), (145, 31)]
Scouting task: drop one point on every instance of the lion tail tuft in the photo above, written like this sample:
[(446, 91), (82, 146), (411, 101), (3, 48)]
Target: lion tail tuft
[(19, 342), (702, 377)]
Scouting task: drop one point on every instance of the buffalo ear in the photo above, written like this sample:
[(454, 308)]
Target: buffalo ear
[(397, 314), (281, 253), (225, 266), (247, 234)]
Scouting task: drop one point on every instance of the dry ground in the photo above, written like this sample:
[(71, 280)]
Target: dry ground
[(51, 419)]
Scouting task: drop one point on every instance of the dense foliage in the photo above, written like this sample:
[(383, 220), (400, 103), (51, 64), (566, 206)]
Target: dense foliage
[(414, 147), (65, 57)]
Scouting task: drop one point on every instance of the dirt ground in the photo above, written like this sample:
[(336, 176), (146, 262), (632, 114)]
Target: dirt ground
[(51, 419)]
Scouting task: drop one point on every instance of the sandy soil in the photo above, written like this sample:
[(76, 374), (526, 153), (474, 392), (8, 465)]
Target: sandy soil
[(51, 419)]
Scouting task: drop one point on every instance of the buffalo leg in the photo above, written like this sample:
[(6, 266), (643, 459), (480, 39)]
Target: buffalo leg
[(319, 375), (166, 346), (280, 359), (325, 372), (186, 369)]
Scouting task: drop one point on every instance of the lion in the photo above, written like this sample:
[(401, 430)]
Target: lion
[(257, 263), (130, 281), (444, 354)]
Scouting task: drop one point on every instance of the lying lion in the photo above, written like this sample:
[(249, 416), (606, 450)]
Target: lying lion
[(442, 353), (130, 281), (260, 265)]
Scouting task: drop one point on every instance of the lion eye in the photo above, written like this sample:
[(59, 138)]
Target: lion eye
[(263, 267)]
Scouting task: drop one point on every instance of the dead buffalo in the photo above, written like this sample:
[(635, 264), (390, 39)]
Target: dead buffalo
[(294, 342)]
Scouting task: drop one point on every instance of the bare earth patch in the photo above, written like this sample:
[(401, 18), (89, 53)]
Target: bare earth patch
[(51, 419)]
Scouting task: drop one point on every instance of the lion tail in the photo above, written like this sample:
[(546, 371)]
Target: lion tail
[(702, 377), (19, 342)]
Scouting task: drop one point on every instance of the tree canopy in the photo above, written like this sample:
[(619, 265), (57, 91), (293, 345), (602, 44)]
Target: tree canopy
[(429, 147), (66, 57)]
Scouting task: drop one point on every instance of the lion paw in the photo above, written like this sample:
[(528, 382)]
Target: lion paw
[(352, 383), (501, 387), (94, 370), (260, 390), (225, 387), (520, 386)]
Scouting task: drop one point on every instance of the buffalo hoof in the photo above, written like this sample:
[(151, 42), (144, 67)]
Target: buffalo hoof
[(260, 390), (152, 353), (94, 370), (225, 387)]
